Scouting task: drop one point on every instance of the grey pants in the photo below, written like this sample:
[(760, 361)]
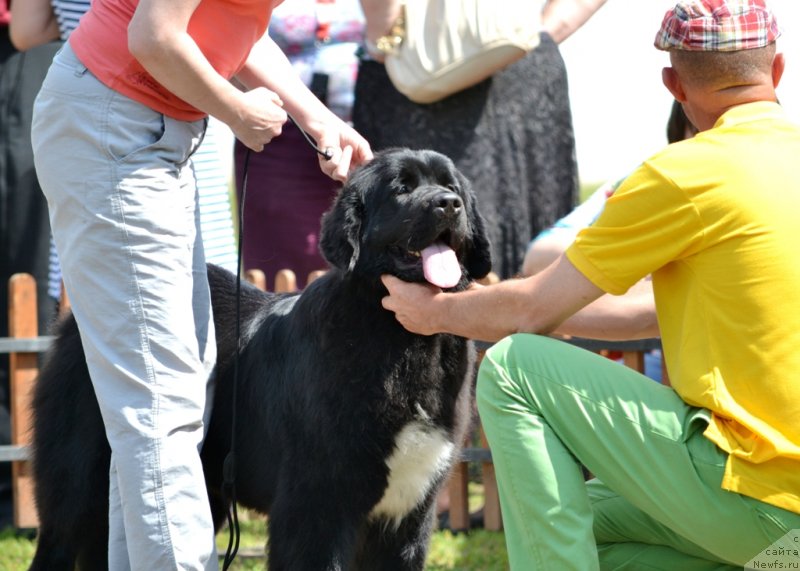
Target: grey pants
[(123, 210)]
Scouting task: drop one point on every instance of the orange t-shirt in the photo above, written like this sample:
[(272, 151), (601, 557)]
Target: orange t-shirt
[(225, 31)]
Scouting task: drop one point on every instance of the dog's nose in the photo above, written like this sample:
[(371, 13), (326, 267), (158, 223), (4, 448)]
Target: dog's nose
[(447, 203)]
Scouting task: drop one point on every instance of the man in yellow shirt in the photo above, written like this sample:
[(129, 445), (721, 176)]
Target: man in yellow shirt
[(705, 475)]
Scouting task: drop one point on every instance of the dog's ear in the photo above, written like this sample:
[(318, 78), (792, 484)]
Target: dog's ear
[(340, 232), (478, 259)]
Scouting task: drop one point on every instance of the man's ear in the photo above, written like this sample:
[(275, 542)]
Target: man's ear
[(778, 65), (673, 83)]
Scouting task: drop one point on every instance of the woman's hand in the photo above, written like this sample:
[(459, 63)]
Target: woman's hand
[(267, 66), (261, 118), (345, 147)]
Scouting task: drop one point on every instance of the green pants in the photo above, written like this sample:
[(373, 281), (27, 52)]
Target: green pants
[(656, 503)]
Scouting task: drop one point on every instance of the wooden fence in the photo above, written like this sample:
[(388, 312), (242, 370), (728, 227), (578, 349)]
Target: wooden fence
[(24, 345)]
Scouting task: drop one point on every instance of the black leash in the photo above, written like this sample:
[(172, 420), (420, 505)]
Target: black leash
[(229, 465), (327, 153)]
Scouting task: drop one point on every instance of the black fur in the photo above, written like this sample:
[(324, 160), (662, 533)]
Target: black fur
[(327, 381)]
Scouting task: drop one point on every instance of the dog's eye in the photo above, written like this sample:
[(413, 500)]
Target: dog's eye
[(403, 188)]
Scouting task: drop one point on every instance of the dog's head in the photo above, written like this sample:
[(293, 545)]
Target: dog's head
[(411, 214)]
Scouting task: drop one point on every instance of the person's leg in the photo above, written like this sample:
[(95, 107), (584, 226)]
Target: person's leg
[(715, 522), (629, 538), (117, 545), (547, 407), (124, 219), (546, 514)]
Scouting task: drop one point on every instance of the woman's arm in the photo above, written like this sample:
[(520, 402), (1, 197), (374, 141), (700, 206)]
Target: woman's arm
[(33, 23), (379, 15), (267, 66), (561, 18), (158, 38)]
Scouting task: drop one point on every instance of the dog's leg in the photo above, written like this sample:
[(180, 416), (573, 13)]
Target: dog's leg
[(94, 558), (402, 547), (309, 535), (51, 554), (94, 554)]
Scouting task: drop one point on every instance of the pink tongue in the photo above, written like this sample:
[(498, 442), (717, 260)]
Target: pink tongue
[(440, 265)]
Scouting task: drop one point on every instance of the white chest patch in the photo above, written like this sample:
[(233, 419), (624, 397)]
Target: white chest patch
[(422, 454)]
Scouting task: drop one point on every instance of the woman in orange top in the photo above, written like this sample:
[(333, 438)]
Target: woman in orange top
[(124, 106)]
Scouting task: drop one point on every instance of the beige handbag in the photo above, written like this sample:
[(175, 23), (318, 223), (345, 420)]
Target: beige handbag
[(439, 47)]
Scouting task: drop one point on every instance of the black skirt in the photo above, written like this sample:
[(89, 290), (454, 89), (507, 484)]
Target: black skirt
[(511, 135)]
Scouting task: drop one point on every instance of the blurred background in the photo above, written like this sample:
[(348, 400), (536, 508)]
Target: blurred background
[(620, 107)]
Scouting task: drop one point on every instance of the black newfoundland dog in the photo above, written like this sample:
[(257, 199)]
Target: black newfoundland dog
[(346, 424)]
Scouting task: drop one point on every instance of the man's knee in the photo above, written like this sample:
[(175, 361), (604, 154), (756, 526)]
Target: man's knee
[(499, 375), (490, 370)]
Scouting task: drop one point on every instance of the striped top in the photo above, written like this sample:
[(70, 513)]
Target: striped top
[(68, 12)]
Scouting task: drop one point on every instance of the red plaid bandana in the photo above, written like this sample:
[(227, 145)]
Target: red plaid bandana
[(718, 25)]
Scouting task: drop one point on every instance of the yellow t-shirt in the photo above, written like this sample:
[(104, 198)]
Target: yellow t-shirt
[(716, 221)]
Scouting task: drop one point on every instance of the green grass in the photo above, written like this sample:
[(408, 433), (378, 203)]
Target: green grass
[(15, 552), (478, 550)]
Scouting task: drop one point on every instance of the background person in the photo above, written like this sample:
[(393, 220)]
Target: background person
[(511, 134), (551, 242), (24, 227)]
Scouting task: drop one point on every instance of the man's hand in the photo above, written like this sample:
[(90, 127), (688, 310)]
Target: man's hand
[(414, 305)]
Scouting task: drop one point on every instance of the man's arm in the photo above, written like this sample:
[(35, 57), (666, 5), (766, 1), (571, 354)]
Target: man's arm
[(616, 317), (557, 300)]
